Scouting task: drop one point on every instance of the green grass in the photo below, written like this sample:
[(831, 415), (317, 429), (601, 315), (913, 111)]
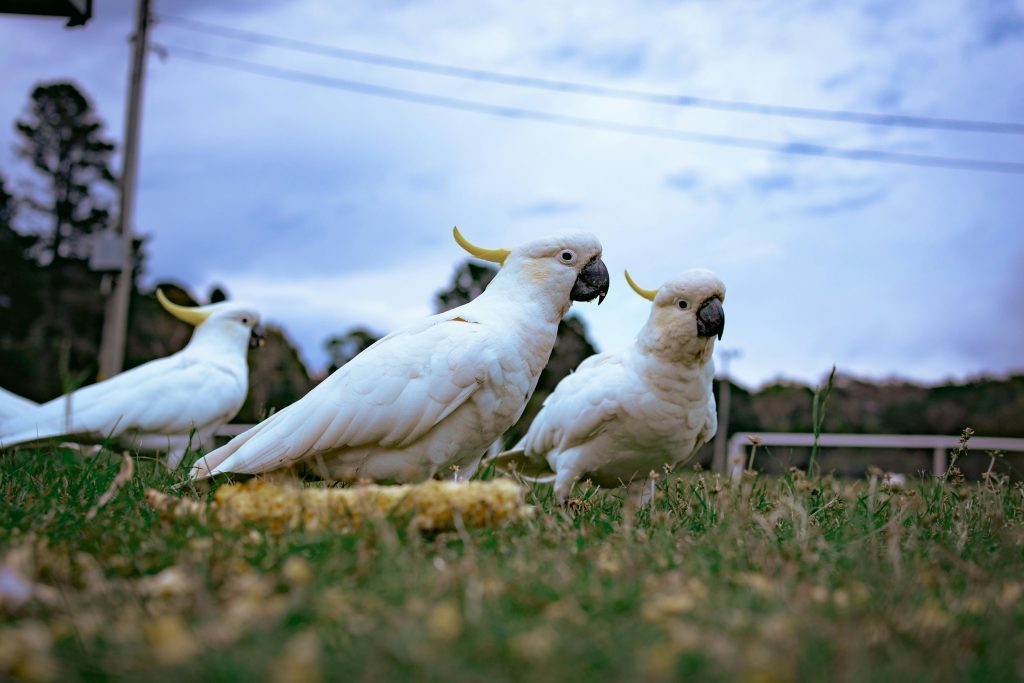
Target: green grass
[(775, 579)]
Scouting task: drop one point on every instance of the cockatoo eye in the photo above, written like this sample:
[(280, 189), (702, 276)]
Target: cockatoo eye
[(245, 321), (683, 305), (567, 257)]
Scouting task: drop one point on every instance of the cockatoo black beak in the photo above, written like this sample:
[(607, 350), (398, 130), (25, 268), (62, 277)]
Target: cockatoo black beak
[(256, 337), (711, 318), (592, 282)]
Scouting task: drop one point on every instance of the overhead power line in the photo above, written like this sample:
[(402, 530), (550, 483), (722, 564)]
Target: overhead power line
[(801, 148), (389, 61)]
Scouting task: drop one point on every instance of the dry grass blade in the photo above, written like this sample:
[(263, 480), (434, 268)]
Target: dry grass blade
[(124, 475)]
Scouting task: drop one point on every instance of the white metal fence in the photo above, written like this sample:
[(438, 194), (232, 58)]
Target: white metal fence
[(736, 461), (939, 445)]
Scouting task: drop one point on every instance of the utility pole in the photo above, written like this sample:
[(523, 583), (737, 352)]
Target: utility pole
[(724, 391), (115, 320)]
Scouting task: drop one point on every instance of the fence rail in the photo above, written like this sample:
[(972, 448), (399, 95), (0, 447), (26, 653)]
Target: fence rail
[(940, 445)]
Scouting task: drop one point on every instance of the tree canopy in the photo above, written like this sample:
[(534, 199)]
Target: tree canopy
[(62, 137), (344, 347)]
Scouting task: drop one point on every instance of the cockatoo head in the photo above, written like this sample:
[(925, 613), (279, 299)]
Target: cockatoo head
[(687, 315), (566, 267), (230, 320)]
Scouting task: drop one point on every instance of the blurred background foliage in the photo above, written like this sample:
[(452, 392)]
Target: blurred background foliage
[(51, 310)]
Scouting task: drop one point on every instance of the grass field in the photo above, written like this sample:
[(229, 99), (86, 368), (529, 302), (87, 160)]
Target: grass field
[(775, 579)]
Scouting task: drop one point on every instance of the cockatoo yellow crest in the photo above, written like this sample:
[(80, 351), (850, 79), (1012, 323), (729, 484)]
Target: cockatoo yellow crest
[(648, 294), (493, 255), (432, 396), (193, 315)]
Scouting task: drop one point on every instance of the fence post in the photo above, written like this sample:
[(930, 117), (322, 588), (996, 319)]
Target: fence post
[(736, 460), (939, 460)]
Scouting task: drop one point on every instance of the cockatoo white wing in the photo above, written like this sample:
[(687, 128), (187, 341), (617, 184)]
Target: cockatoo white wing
[(12, 405), (390, 395), (165, 396), (580, 406)]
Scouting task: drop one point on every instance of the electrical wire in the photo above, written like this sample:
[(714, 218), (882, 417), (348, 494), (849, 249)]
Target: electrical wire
[(798, 148), (389, 61)]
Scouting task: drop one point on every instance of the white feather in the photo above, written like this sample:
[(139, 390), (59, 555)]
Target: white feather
[(12, 404), (622, 415), (428, 397)]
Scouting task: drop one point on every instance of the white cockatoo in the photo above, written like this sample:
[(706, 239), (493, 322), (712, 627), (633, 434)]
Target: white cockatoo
[(167, 404), (11, 404), (621, 416), (431, 397)]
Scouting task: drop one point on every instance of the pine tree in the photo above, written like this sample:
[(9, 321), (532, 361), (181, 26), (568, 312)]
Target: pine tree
[(62, 138)]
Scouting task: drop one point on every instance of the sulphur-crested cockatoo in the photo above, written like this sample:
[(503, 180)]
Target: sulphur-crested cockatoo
[(164, 403), (431, 397), (621, 416), (12, 404)]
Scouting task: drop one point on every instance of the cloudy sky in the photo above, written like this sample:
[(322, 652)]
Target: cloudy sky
[(330, 209)]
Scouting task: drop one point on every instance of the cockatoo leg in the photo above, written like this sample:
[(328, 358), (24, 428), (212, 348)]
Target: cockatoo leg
[(640, 493), (465, 472), (564, 481), (84, 449)]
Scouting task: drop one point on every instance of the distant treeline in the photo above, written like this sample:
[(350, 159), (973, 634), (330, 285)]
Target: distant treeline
[(992, 407)]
